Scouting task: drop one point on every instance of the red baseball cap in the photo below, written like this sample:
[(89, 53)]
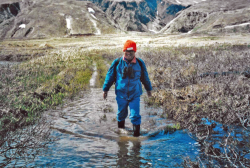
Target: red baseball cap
[(129, 45)]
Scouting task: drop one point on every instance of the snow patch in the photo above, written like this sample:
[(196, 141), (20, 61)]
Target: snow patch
[(195, 2), (68, 21), (98, 31), (93, 16), (189, 32), (153, 31), (91, 10), (178, 2), (22, 26), (232, 26)]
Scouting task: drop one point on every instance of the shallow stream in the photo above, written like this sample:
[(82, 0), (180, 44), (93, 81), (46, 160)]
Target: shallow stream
[(87, 139)]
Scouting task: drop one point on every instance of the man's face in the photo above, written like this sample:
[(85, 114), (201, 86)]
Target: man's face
[(129, 54)]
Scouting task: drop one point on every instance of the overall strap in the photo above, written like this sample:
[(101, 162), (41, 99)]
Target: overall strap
[(140, 63), (142, 70), (116, 63)]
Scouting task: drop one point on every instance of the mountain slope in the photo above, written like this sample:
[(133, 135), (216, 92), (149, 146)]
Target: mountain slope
[(140, 15), (214, 16), (58, 18), (46, 18)]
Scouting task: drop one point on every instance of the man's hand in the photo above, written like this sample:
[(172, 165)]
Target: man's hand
[(105, 94), (149, 93)]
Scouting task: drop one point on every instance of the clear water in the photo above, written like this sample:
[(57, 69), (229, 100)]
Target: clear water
[(6, 63)]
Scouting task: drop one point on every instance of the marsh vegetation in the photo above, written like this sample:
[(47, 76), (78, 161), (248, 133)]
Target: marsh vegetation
[(200, 84), (31, 87), (200, 87)]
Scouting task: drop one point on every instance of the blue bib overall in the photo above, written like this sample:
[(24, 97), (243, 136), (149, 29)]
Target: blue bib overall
[(128, 90)]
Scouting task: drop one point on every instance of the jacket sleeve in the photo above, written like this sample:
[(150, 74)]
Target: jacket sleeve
[(145, 79), (110, 77)]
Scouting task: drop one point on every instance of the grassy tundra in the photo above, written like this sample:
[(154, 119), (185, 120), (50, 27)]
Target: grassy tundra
[(190, 81), (199, 82)]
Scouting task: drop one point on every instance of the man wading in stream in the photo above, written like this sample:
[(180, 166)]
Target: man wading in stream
[(128, 72)]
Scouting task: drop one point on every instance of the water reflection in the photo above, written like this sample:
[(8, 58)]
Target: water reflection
[(165, 149), (21, 146), (129, 154)]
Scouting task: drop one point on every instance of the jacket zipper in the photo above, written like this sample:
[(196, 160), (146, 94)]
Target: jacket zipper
[(128, 83)]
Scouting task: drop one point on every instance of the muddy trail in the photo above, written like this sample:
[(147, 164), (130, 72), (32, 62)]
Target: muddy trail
[(87, 136)]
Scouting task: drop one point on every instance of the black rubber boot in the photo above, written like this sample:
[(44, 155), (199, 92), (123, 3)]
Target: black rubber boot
[(121, 124), (136, 129)]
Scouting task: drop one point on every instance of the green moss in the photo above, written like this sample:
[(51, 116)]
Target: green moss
[(170, 129), (102, 71), (82, 77), (177, 126)]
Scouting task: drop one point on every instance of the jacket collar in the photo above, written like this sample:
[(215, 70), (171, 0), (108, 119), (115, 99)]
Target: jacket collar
[(133, 61)]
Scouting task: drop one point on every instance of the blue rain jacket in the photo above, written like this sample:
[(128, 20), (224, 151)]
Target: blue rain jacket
[(127, 88)]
